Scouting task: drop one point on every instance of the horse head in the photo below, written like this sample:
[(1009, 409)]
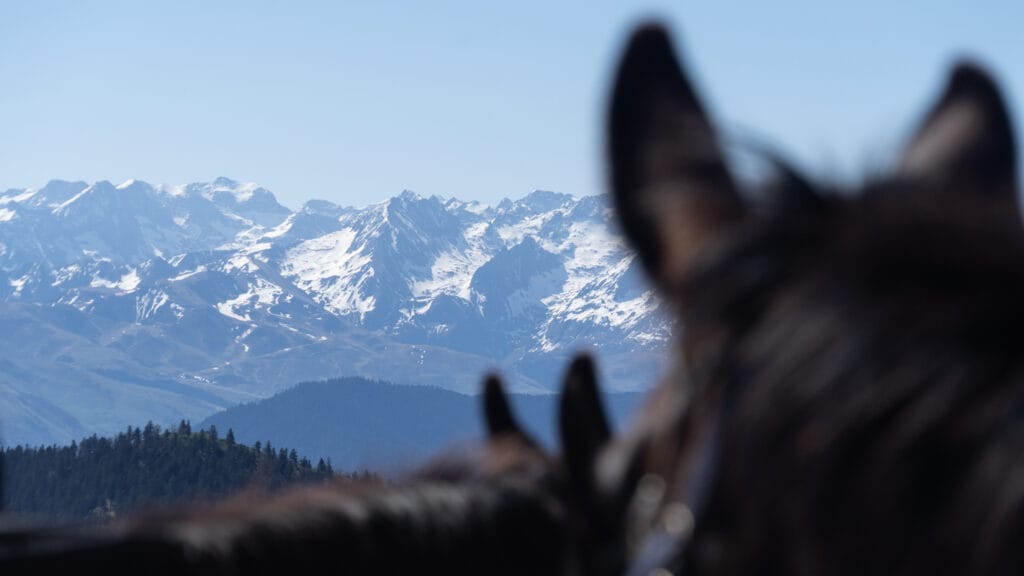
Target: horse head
[(849, 381)]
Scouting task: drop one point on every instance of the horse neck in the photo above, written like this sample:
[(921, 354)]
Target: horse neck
[(484, 527)]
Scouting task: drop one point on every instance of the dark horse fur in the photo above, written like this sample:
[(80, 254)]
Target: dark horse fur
[(860, 350), (848, 396)]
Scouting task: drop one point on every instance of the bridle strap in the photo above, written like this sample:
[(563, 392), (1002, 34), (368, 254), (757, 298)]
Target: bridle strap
[(664, 548), (660, 551)]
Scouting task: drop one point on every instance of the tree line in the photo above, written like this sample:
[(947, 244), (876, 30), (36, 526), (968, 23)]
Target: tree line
[(99, 478)]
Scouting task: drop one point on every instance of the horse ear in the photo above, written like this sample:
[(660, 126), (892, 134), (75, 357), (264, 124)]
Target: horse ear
[(672, 188), (598, 504), (966, 142), (583, 425), (498, 416)]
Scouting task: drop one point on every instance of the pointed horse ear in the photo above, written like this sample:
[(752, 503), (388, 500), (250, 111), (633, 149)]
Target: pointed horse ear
[(583, 425), (673, 192), (597, 504), (498, 417), (965, 144)]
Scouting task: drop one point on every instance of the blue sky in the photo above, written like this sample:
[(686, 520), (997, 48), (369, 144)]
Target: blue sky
[(355, 101)]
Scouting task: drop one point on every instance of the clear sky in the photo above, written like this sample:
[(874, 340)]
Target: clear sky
[(354, 101)]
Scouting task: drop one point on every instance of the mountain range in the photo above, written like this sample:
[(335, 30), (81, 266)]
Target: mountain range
[(121, 304)]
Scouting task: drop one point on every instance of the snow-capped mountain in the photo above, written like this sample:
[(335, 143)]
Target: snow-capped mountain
[(121, 304)]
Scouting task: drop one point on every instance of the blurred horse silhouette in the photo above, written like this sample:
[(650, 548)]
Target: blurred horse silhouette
[(848, 396)]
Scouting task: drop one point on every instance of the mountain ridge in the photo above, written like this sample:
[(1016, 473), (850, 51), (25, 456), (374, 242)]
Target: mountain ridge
[(127, 303)]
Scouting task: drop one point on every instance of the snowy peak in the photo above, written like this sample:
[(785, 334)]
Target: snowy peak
[(323, 208), (216, 287), (248, 200), (544, 201), (55, 193)]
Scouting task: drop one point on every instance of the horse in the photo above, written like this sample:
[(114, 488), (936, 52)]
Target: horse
[(847, 392)]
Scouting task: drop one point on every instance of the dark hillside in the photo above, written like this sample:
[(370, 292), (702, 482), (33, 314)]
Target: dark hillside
[(360, 423), (144, 467)]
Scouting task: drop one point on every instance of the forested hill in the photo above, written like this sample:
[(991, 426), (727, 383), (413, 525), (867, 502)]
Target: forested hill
[(144, 467)]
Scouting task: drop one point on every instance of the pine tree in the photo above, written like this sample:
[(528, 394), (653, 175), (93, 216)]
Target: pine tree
[(103, 477)]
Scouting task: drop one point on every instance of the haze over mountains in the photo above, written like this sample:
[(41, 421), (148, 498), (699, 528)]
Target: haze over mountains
[(125, 303)]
